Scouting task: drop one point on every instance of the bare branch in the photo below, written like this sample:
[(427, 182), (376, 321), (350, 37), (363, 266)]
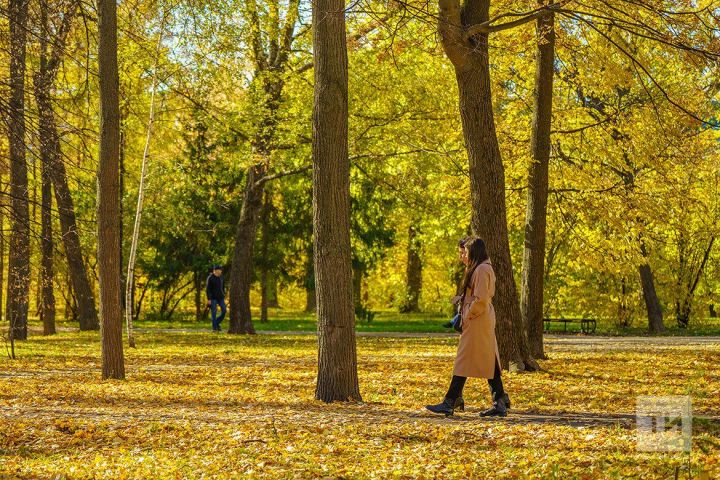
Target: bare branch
[(275, 176)]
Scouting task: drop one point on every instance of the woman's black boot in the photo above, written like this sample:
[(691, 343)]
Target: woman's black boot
[(499, 409), (448, 406)]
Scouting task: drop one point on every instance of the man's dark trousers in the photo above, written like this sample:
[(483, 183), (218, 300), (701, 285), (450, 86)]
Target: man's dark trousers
[(216, 319)]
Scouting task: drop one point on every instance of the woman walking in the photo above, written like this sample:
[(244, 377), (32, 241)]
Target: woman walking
[(477, 354)]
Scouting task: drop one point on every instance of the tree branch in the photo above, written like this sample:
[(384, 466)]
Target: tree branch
[(275, 176), (450, 30), (488, 27)]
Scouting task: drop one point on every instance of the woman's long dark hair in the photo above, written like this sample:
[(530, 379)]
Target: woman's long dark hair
[(477, 254)]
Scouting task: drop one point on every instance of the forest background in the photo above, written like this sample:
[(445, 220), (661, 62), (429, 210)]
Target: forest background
[(633, 173)]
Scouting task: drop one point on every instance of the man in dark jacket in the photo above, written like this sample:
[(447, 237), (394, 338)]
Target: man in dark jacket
[(215, 289)]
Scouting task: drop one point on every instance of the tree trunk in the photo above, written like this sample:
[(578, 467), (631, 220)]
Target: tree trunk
[(44, 82), (272, 290), (310, 300), (47, 305), (652, 303), (711, 308), (108, 201), (487, 185), (19, 256), (87, 313), (199, 289), (2, 251), (46, 129), (129, 280), (531, 298), (413, 274), (684, 308), (337, 378), (242, 262), (70, 302), (654, 310), (263, 296), (264, 274)]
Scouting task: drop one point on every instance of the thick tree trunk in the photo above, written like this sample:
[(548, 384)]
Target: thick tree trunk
[(470, 57), (108, 193), (19, 256), (87, 313), (654, 310), (531, 298), (413, 273), (242, 262), (711, 309), (652, 302), (487, 184), (337, 378)]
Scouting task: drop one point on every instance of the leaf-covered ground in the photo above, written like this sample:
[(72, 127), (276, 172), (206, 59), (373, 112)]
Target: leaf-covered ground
[(202, 406)]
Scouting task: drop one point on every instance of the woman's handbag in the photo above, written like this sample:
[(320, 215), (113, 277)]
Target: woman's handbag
[(457, 325)]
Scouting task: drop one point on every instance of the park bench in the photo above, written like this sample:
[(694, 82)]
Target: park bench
[(587, 325)]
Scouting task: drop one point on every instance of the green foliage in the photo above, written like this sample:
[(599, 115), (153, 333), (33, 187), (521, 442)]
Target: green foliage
[(630, 166)]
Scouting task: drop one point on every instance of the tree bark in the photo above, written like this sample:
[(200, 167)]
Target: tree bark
[(49, 153), (263, 296), (272, 290), (531, 298), (47, 305), (2, 251), (652, 302), (684, 308), (242, 262), (413, 274), (654, 311), (337, 378), (199, 281), (19, 256), (270, 54), (50, 147), (87, 313), (108, 193), (264, 273), (487, 177)]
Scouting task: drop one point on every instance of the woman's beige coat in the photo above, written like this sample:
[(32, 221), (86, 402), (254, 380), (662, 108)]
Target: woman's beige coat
[(478, 350)]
